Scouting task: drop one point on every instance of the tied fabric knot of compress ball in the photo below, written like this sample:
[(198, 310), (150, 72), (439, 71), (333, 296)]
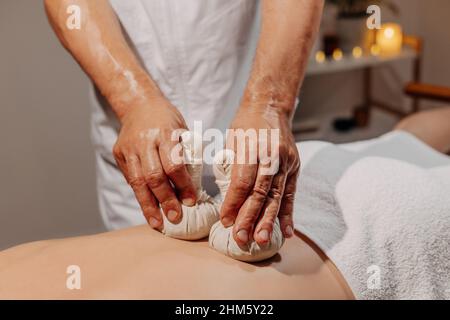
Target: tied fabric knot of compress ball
[(203, 218), (196, 221)]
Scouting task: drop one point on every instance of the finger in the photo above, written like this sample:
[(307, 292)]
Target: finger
[(177, 172), (243, 175), (150, 207), (251, 209), (143, 195), (159, 184), (287, 205), (264, 229), (242, 181)]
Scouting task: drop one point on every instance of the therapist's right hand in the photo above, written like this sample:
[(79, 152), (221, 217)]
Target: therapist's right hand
[(143, 153)]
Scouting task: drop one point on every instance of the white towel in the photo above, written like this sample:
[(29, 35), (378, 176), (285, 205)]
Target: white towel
[(380, 210)]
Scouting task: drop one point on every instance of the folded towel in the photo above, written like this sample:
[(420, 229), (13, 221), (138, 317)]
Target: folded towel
[(380, 210)]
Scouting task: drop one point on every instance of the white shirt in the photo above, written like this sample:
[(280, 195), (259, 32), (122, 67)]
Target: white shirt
[(199, 52)]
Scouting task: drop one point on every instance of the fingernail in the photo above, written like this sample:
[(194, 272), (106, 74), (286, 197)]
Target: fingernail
[(243, 236), (172, 215), (264, 235), (289, 231), (227, 221), (154, 223), (189, 202)]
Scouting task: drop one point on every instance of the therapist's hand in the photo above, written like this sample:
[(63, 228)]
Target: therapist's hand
[(143, 153), (254, 200), (257, 196)]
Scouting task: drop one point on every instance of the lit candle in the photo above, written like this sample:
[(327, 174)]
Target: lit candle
[(337, 54), (320, 56), (390, 38)]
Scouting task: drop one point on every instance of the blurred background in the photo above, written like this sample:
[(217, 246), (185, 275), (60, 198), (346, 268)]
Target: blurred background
[(354, 89)]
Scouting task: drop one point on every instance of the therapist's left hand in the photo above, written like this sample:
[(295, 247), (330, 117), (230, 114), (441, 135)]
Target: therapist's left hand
[(256, 195)]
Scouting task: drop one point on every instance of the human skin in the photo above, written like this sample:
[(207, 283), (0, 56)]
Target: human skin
[(141, 263), (431, 126), (131, 263), (147, 118), (256, 198)]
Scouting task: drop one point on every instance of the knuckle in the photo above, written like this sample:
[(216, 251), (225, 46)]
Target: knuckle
[(169, 202), (154, 178), (153, 211), (175, 169), (267, 222), (136, 182), (150, 210), (289, 197), (116, 151), (126, 151), (243, 223), (275, 194), (149, 215), (260, 192)]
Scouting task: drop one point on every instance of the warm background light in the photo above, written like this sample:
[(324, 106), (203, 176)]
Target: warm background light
[(357, 52), (390, 38), (320, 56), (375, 50), (338, 54)]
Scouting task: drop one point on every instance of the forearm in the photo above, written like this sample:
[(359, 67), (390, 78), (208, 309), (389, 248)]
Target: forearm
[(100, 48), (288, 30)]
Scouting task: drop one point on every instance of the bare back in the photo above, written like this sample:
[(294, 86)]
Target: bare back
[(140, 263)]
